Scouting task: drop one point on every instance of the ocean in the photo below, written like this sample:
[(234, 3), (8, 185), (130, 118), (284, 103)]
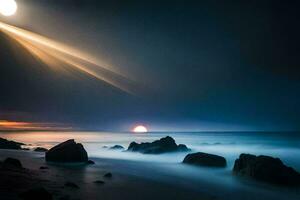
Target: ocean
[(284, 145), (168, 168)]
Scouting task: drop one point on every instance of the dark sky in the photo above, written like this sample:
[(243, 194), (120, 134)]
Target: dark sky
[(203, 65)]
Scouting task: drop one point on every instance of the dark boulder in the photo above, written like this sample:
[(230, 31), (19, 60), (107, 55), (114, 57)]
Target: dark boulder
[(43, 167), (116, 147), (107, 175), (68, 151), (164, 145), (6, 144), (40, 149), (36, 193), (205, 159), (99, 182), (267, 169), (90, 162), (12, 163), (182, 147)]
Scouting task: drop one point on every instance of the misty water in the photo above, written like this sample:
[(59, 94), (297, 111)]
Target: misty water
[(168, 167)]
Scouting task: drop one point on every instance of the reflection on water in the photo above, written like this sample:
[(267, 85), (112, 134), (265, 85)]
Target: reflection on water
[(230, 145)]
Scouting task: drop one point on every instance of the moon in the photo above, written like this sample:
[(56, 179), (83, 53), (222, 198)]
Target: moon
[(140, 129), (8, 7)]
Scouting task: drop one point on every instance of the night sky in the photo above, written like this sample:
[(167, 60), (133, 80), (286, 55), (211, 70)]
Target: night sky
[(200, 65)]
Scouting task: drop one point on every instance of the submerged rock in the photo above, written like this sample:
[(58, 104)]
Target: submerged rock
[(164, 145), (90, 162), (40, 149), (116, 147), (68, 151), (7, 144), (36, 193), (107, 175), (12, 163), (99, 182), (266, 168), (205, 159)]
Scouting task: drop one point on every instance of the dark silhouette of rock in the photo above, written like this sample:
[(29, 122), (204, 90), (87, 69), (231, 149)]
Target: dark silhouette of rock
[(71, 185), (205, 159), (164, 145), (68, 151), (116, 147), (99, 182), (182, 147), (36, 193), (12, 163), (108, 175), (90, 162), (40, 149), (44, 167), (267, 169), (6, 144)]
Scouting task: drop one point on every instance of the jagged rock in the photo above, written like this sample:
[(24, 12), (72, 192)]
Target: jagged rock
[(40, 149), (116, 147), (36, 193), (7, 144), (68, 151), (266, 168), (205, 159), (164, 145)]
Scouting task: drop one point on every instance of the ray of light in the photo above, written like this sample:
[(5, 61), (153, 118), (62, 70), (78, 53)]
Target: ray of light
[(53, 53)]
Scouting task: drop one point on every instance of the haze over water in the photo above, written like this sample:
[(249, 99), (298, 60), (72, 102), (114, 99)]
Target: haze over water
[(285, 145)]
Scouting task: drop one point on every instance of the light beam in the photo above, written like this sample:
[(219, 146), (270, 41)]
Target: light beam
[(53, 54)]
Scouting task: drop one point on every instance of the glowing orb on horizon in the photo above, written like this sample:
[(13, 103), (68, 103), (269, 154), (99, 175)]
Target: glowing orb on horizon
[(8, 7), (140, 129)]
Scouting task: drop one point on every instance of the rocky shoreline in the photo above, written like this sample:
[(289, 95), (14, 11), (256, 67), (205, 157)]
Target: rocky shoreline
[(260, 168)]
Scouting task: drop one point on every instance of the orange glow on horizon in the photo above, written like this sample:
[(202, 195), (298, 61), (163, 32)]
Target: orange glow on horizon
[(14, 125)]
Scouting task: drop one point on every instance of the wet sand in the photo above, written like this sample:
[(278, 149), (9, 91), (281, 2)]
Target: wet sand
[(134, 180), (120, 186)]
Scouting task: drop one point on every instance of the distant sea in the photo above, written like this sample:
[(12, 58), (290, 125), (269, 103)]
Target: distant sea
[(285, 145)]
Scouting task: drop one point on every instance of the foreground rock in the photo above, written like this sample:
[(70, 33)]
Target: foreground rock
[(40, 149), (36, 193), (11, 164), (117, 147), (164, 145), (266, 168), (68, 151), (205, 159), (6, 144)]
